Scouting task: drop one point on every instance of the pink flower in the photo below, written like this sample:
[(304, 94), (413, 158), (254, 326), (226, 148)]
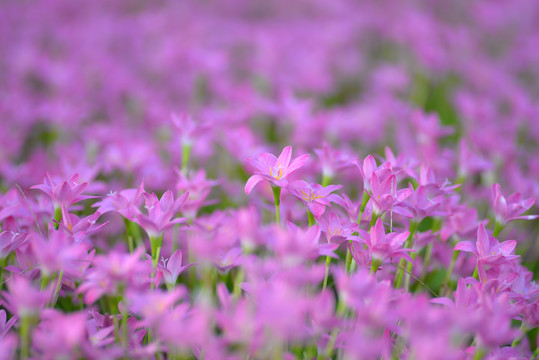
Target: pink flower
[(488, 250), (275, 170), (172, 268), (160, 213), (315, 196), (336, 231), (511, 208), (67, 192), (381, 245)]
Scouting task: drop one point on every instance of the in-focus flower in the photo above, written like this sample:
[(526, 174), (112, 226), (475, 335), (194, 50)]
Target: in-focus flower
[(488, 250), (385, 196), (336, 231), (315, 196), (160, 213), (382, 246), (275, 170)]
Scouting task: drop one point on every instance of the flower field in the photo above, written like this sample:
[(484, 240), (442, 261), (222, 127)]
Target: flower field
[(249, 179)]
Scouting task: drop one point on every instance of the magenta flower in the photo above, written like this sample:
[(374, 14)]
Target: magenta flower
[(125, 202), (198, 187), (368, 168), (511, 208), (332, 160), (275, 170), (4, 324), (67, 192), (22, 298), (160, 213), (336, 231), (80, 229), (172, 268), (382, 246), (488, 250), (59, 335), (385, 196), (315, 196), (10, 241)]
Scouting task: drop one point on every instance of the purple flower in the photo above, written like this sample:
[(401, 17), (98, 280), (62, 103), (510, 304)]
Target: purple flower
[(335, 230), (59, 335), (160, 212), (66, 193), (22, 298), (381, 245), (488, 250), (275, 170), (315, 196), (10, 241), (172, 268), (511, 208), (385, 196)]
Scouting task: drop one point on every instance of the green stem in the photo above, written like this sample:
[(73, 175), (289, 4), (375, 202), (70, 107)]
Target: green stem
[(407, 245), (479, 353), (186, 152), (277, 200), (408, 274), (156, 243), (125, 336), (57, 288), (45, 279), (426, 263), (326, 179), (310, 216), (328, 263), (364, 200), (57, 217), (519, 338), (25, 336), (451, 267), (348, 258), (498, 227), (237, 283)]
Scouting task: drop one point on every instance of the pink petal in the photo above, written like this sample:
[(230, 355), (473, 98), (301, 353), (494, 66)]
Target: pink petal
[(284, 159), (466, 246), (483, 242), (174, 263), (251, 183), (296, 164)]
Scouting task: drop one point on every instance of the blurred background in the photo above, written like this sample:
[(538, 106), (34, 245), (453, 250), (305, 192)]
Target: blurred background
[(90, 87)]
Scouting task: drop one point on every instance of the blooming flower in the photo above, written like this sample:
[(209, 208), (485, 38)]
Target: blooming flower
[(275, 170), (488, 250), (172, 268), (160, 213), (67, 192), (381, 245), (511, 208), (336, 231), (315, 196)]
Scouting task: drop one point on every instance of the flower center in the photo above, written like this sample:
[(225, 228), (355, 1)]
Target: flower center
[(278, 171)]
